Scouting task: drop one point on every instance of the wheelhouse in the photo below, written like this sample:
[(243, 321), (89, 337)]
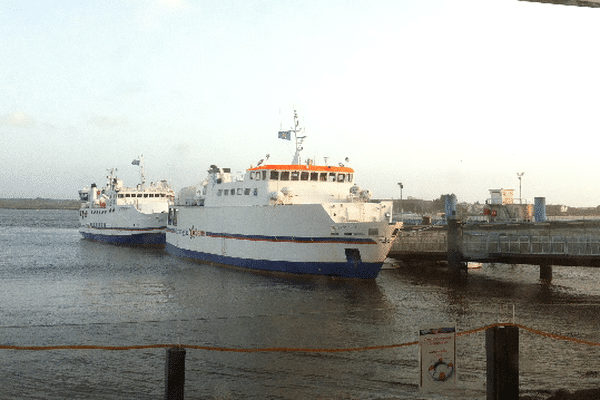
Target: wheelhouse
[(302, 173)]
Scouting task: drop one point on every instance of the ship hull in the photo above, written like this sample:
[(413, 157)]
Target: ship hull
[(124, 237), (342, 269), (300, 239), (123, 225)]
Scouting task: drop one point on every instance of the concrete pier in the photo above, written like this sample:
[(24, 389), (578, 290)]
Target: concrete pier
[(574, 243)]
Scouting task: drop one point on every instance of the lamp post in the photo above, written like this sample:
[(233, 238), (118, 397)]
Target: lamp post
[(401, 208), (520, 175)]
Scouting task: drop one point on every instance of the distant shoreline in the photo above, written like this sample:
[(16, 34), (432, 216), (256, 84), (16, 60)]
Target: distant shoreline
[(39, 204)]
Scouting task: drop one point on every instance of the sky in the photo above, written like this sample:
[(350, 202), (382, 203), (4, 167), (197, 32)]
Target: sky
[(445, 96)]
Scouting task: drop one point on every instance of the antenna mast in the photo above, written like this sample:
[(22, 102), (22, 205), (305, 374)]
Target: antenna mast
[(299, 139), (140, 162)]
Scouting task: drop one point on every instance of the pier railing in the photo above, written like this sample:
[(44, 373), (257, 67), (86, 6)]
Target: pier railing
[(477, 244)]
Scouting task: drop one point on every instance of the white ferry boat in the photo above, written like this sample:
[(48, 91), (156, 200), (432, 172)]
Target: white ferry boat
[(126, 215), (298, 218)]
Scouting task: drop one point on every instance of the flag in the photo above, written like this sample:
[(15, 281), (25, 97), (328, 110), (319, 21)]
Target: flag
[(135, 162), (287, 135)]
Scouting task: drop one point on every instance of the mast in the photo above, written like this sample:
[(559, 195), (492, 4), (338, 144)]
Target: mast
[(299, 139), (111, 177), (140, 162)]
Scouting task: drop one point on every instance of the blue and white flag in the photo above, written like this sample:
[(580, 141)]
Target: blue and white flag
[(287, 135)]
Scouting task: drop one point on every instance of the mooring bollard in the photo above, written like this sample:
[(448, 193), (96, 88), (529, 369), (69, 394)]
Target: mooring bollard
[(502, 348), (175, 373)]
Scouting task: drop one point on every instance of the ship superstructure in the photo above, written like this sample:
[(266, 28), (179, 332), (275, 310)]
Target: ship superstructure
[(126, 215), (298, 218)]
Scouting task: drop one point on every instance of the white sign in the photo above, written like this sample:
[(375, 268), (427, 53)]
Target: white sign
[(437, 359)]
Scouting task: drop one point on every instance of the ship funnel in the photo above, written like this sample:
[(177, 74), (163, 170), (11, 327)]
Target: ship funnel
[(94, 194)]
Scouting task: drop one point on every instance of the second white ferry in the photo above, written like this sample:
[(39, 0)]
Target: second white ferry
[(126, 215), (299, 218)]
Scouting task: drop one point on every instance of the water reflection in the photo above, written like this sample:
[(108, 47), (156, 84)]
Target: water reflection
[(72, 291)]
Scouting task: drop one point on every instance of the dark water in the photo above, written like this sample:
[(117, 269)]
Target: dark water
[(57, 289)]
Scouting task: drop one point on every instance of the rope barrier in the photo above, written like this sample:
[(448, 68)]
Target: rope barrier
[(289, 349)]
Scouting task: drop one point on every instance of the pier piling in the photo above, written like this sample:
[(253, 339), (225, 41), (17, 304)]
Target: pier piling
[(175, 373), (546, 273), (456, 262)]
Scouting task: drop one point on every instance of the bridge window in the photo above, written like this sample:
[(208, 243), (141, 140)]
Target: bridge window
[(274, 175), (314, 176), (341, 177), (264, 175), (304, 176), (323, 177), (295, 175), (247, 191), (349, 177), (220, 192), (226, 192), (239, 191), (331, 177), (284, 176)]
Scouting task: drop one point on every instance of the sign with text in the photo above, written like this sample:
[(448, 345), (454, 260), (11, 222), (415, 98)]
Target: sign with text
[(437, 358)]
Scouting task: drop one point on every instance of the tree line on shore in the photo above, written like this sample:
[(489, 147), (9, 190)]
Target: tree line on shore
[(39, 204)]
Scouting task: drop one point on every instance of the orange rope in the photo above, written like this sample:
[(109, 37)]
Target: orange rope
[(289, 349), (559, 337), (210, 348)]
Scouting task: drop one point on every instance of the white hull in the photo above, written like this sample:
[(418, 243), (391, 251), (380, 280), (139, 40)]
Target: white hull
[(298, 218), (299, 238), (123, 225), (125, 215)]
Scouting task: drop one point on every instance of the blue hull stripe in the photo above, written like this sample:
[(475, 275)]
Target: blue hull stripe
[(343, 269), (141, 239), (289, 239)]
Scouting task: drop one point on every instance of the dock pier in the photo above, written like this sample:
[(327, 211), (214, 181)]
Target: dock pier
[(572, 243)]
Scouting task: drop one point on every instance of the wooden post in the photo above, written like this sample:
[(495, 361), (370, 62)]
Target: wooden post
[(502, 348), (175, 373), (546, 273)]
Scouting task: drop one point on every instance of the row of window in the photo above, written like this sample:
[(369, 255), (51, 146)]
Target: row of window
[(146, 195), (301, 176), (239, 191)]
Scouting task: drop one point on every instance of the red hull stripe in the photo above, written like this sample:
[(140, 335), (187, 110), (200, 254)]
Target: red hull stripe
[(278, 239)]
